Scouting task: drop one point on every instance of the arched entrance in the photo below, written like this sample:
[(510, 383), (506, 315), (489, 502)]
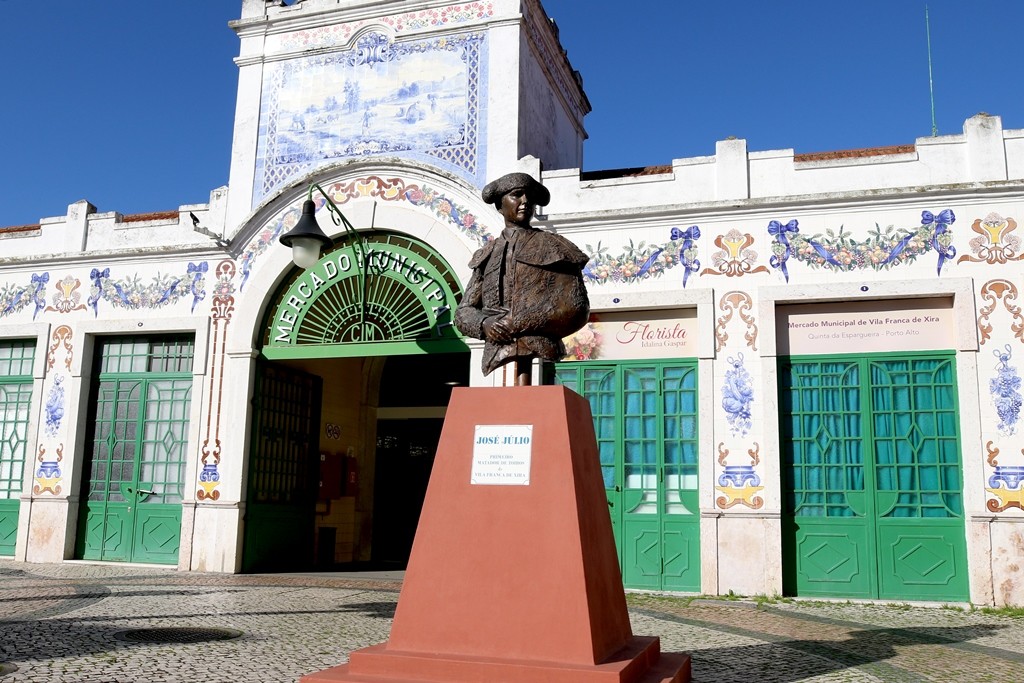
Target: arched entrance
[(357, 362)]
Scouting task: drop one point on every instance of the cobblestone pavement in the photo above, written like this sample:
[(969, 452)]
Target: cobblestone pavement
[(74, 623)]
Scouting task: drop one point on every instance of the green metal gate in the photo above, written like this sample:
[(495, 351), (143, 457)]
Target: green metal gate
[(645, 419), (135, 465), (283, 462), (16, 358), (874, 499)]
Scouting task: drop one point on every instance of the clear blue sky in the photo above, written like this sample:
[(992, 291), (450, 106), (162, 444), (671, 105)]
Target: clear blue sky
[(130, 103)]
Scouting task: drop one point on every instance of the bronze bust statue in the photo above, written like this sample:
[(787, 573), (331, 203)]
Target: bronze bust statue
[(527, 289)]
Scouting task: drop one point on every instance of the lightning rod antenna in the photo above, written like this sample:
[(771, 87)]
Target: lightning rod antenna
[(931, 87)]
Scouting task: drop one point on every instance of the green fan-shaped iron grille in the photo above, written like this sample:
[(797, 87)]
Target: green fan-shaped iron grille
[(392, 312), (393, 295)]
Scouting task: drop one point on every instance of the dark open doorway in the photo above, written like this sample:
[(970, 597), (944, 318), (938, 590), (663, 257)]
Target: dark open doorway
[(414, 394)]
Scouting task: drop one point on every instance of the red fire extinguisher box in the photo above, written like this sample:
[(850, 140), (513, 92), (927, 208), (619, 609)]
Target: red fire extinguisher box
[(332, 476)]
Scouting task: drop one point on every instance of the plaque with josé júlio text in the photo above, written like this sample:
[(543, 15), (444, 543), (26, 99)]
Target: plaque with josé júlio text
[(501, 455)]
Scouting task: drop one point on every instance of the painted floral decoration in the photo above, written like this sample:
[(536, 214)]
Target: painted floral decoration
[(14, 297), (995, 244), (636, 262), (225, 286), (392, 189), (1005, 390), (406, 21), (445, 208), (55, 406), (884, 248), (640, 261), (67, 298), (285, 221), (737, 396), (134, 294), (584, 344), (734, 258)]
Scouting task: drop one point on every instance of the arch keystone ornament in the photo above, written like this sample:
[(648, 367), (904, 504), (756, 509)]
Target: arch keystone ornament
[(391, 294)]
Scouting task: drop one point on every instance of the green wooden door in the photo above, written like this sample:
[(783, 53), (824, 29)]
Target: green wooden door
[(645, 418), (873, 486), (135, 467), (16, 358)]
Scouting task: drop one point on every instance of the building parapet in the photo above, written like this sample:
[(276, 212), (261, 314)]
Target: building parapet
[(85, 230), (983, 153)]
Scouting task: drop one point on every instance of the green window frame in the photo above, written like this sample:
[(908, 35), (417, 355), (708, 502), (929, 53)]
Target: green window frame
[(17, 358), (143, 405)]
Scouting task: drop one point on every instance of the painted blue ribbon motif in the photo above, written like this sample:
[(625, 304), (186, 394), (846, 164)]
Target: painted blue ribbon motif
[(942, 223), (895, 252), (649, 262), (945, 217), (197, 271), (38, 287), (689, 236), (779, 232), (821, 251), (167, 293), (97, 276)]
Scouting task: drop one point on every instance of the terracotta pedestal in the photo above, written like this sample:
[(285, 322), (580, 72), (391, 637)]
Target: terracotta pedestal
[(513, 582)]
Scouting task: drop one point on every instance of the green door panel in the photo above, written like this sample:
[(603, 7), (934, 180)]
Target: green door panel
[(103, 533), (833, 559), (157, 533), (8, 526), (642, 553), (681, 551), (923, 562), (598, 386), (89, 539), (116, 534), (917, 456)]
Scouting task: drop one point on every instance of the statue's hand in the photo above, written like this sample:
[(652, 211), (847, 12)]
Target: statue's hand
[(496, 330)]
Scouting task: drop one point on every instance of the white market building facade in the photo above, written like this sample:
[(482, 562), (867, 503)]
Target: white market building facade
[(804, 369)]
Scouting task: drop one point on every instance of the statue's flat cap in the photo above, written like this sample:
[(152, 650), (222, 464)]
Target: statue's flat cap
[(496, 189)]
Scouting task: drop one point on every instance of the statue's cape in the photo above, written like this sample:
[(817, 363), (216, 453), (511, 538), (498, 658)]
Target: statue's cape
[(482, 254), (537, 248)]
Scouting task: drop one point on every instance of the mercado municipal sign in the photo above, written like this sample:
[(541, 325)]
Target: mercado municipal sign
[(389, 295)]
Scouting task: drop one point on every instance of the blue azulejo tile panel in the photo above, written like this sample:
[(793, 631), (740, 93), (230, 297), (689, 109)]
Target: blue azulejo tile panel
[(419, 100)]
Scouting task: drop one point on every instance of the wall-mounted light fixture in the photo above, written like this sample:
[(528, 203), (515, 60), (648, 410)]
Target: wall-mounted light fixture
[(307, 240)]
